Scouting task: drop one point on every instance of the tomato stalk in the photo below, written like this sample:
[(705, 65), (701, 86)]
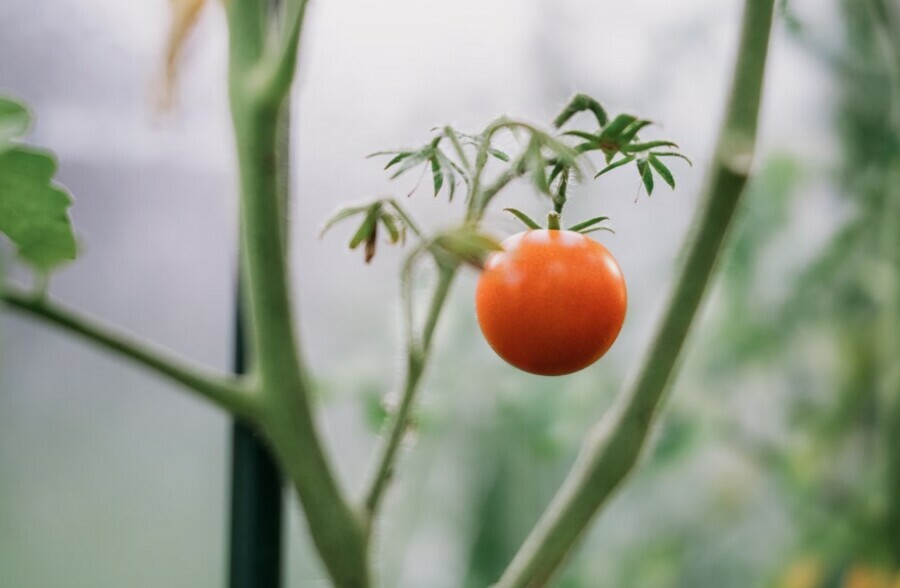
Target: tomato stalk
[(260, 74), (613, 446)]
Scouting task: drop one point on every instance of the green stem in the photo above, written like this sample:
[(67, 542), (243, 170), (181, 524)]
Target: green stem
[(417, 358), (613, 446), (287, 417), (227, 393)]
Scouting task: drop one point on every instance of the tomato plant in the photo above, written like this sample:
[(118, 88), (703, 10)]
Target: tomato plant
[(552, 302), (568, 310)]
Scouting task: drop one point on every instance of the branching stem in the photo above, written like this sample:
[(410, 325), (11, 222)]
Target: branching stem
[(229, 393)]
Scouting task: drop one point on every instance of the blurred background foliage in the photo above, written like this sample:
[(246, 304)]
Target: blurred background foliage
[(777, 458)]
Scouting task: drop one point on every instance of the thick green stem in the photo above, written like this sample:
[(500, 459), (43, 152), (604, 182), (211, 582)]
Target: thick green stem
[(613, 447), (228, 393), (417, 358), (286, 417)]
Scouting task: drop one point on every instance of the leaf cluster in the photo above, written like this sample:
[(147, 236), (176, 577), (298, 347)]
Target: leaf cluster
[(550, 160)]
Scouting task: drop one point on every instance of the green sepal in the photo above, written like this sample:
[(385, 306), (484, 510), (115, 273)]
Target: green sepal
[(588, 223), (526, 220)]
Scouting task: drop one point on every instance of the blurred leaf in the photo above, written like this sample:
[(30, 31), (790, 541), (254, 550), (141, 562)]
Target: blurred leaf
[(662, 170), (646, 175), (581, 103), (34, 210), (436, 175), (635, 147), (467, 244), (368, 226), (395, 230), (588, 223), (612, 166), (397, 159), (498, 154), (672, 154), (14, 121), (185, 14), (341, 215), (527, 220), (616, 127), (632, 130)]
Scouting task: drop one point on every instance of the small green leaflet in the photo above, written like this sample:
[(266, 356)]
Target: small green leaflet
[(526, 220), (662, 170), (33, 210), (14, 121), (646, 175)]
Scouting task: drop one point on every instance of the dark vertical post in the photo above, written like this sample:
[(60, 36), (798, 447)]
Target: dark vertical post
[(256, 500)]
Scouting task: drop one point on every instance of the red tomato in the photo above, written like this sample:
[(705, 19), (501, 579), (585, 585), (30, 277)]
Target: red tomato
[(552, 302)]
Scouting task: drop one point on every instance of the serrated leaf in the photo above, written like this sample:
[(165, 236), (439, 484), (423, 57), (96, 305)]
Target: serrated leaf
[(588, 223), (437, 175), (617, 127), (612, 166), (340, 215), (662, 170), (498, 154), (673, 154), (34, 210), (410, 162), (635, 147), (14, 121), (527, 220), (646, 175)]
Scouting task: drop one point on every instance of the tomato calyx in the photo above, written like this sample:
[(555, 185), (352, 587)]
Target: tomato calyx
[(554, 222)]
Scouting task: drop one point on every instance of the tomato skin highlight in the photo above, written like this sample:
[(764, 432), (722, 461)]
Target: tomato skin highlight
[(552, 302)]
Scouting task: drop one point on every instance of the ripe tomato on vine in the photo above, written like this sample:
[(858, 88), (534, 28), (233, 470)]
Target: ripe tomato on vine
[(552, 302)]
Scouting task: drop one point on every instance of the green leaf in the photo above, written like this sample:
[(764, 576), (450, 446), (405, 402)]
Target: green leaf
[(557, 169), (14, 121), (498, 154), (612, 166), (635, 147), (581, 103), (466, 244), (595, 229), (583, 135), (410, 162), (617, 126), (631, 132), (400, 157), (394, 226), (341, 215), (673, 154), (646, 175), (436, 175), (527, 220), (537, 163), (368, 226), (588, 223), (662, 170), (34, 210)]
